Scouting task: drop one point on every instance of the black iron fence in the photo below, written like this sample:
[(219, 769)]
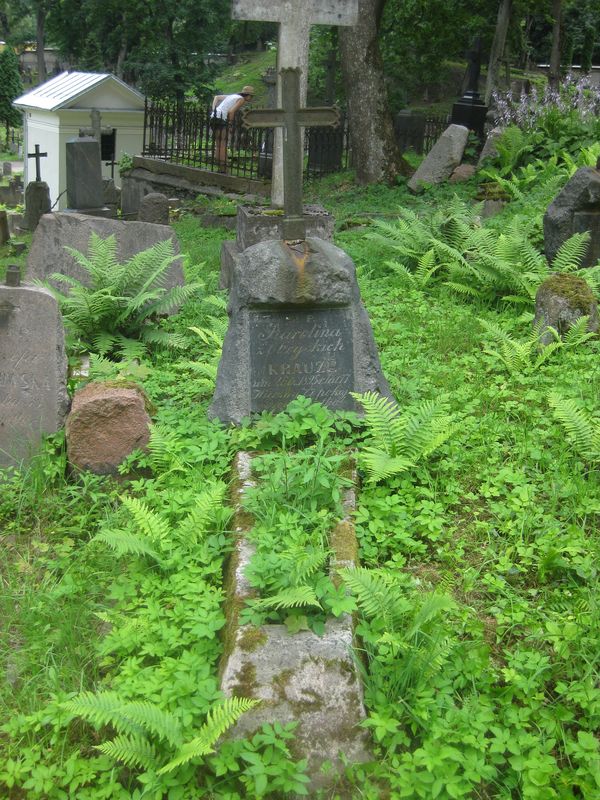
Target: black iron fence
[(182, 134)]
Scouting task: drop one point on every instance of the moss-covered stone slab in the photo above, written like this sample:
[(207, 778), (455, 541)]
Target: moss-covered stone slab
[(304, 678)]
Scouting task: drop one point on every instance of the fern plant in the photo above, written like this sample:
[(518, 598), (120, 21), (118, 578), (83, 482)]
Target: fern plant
[(116, 312), (150, 738), (581, 428), (399, 441)]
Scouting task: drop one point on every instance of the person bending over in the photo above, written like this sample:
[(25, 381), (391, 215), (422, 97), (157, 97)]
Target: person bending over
[(224, 109)]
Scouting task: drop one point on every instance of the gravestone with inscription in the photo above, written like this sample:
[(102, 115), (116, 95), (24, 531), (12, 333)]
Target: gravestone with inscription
[(297, 327), (85, 191), (574, 210), (33, 370)]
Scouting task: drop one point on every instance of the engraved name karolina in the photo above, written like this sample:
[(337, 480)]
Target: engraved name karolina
[(298, 352)]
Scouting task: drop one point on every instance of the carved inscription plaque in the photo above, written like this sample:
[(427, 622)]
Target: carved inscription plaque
[(33, 395), (306, 352), (589, 221)]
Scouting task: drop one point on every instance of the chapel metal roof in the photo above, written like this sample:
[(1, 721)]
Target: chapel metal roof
[(66, 87)]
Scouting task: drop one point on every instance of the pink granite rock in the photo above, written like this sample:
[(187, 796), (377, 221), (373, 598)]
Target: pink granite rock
[(462, 173), (105, 425)]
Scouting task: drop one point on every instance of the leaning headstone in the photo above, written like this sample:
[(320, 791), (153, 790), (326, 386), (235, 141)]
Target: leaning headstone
[(62, 229), (154, 208), (297, 326), (33, 371), (4, 231), (7, 168), (15, 222), (105, 425), (37, 203), (561, 300), (442, 159), (574, 210), (489, 149), (85, 192)]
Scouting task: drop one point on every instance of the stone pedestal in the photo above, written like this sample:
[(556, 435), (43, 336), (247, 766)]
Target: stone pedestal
[(259, 224), (154, 207), (297, 327), (470, 112), (37, 203)]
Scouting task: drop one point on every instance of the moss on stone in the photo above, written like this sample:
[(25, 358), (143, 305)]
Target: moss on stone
[(245, 685), (575, 290), (343, 542), (252, 638)]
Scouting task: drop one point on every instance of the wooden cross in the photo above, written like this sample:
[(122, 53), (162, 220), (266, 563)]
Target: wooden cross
[(291, 118), (295, 18), (37, 155)]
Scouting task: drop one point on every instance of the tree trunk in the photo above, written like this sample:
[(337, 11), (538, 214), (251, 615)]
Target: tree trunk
[(502, 23), (121, 56), (554, 73), (374, 148), (40, 25)]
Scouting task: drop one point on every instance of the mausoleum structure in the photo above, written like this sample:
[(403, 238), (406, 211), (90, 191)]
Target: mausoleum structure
[(59, 109)]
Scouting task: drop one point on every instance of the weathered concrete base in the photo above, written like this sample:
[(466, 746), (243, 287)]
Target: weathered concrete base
[(303, 678)]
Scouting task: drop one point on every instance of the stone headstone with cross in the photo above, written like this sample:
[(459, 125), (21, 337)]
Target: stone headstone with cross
[(297, 324), (295, 18), (37, 194), (33, 369), (297, 221)]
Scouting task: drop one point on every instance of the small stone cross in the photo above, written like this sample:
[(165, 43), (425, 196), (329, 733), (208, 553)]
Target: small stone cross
[(291, 118), (95, 130), (37, 155)]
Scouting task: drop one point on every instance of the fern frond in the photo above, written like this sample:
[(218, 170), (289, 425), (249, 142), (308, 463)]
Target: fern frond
[(295, 597), (571, 253), (126, 543), (103, 342), (220, 718), (163, 450), (582, 430), (381, 415), (379, 465), (149, 522), (578, 333), (196, 524), (133, 751), (153, 719), (376, 595)]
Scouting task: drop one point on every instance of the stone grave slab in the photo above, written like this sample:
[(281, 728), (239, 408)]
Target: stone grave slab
[(37, 203), (297, 326), (33, 371), (309, 679), (85, 190), (55, 231)]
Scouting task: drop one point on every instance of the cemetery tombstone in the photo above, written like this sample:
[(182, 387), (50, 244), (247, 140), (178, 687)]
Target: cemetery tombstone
[(4, 231), (470, 110), (37, 194), (295, 21), (7, 168), (297, 324), (574, 210), (85, 190), (154, 208), (443, 158), (33, 369)]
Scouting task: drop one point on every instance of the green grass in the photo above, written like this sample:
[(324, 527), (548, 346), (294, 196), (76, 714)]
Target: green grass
[(247, 71), (483, 650)]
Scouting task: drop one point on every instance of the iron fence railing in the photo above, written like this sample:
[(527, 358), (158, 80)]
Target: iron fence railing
[(182, 134)]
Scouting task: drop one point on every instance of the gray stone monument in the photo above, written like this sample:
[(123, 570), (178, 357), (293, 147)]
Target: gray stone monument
[(33, 370), (7, 168), (574, 210), (295, 21), (37, 203), (62, 229), (297, 327), (85, 191)]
